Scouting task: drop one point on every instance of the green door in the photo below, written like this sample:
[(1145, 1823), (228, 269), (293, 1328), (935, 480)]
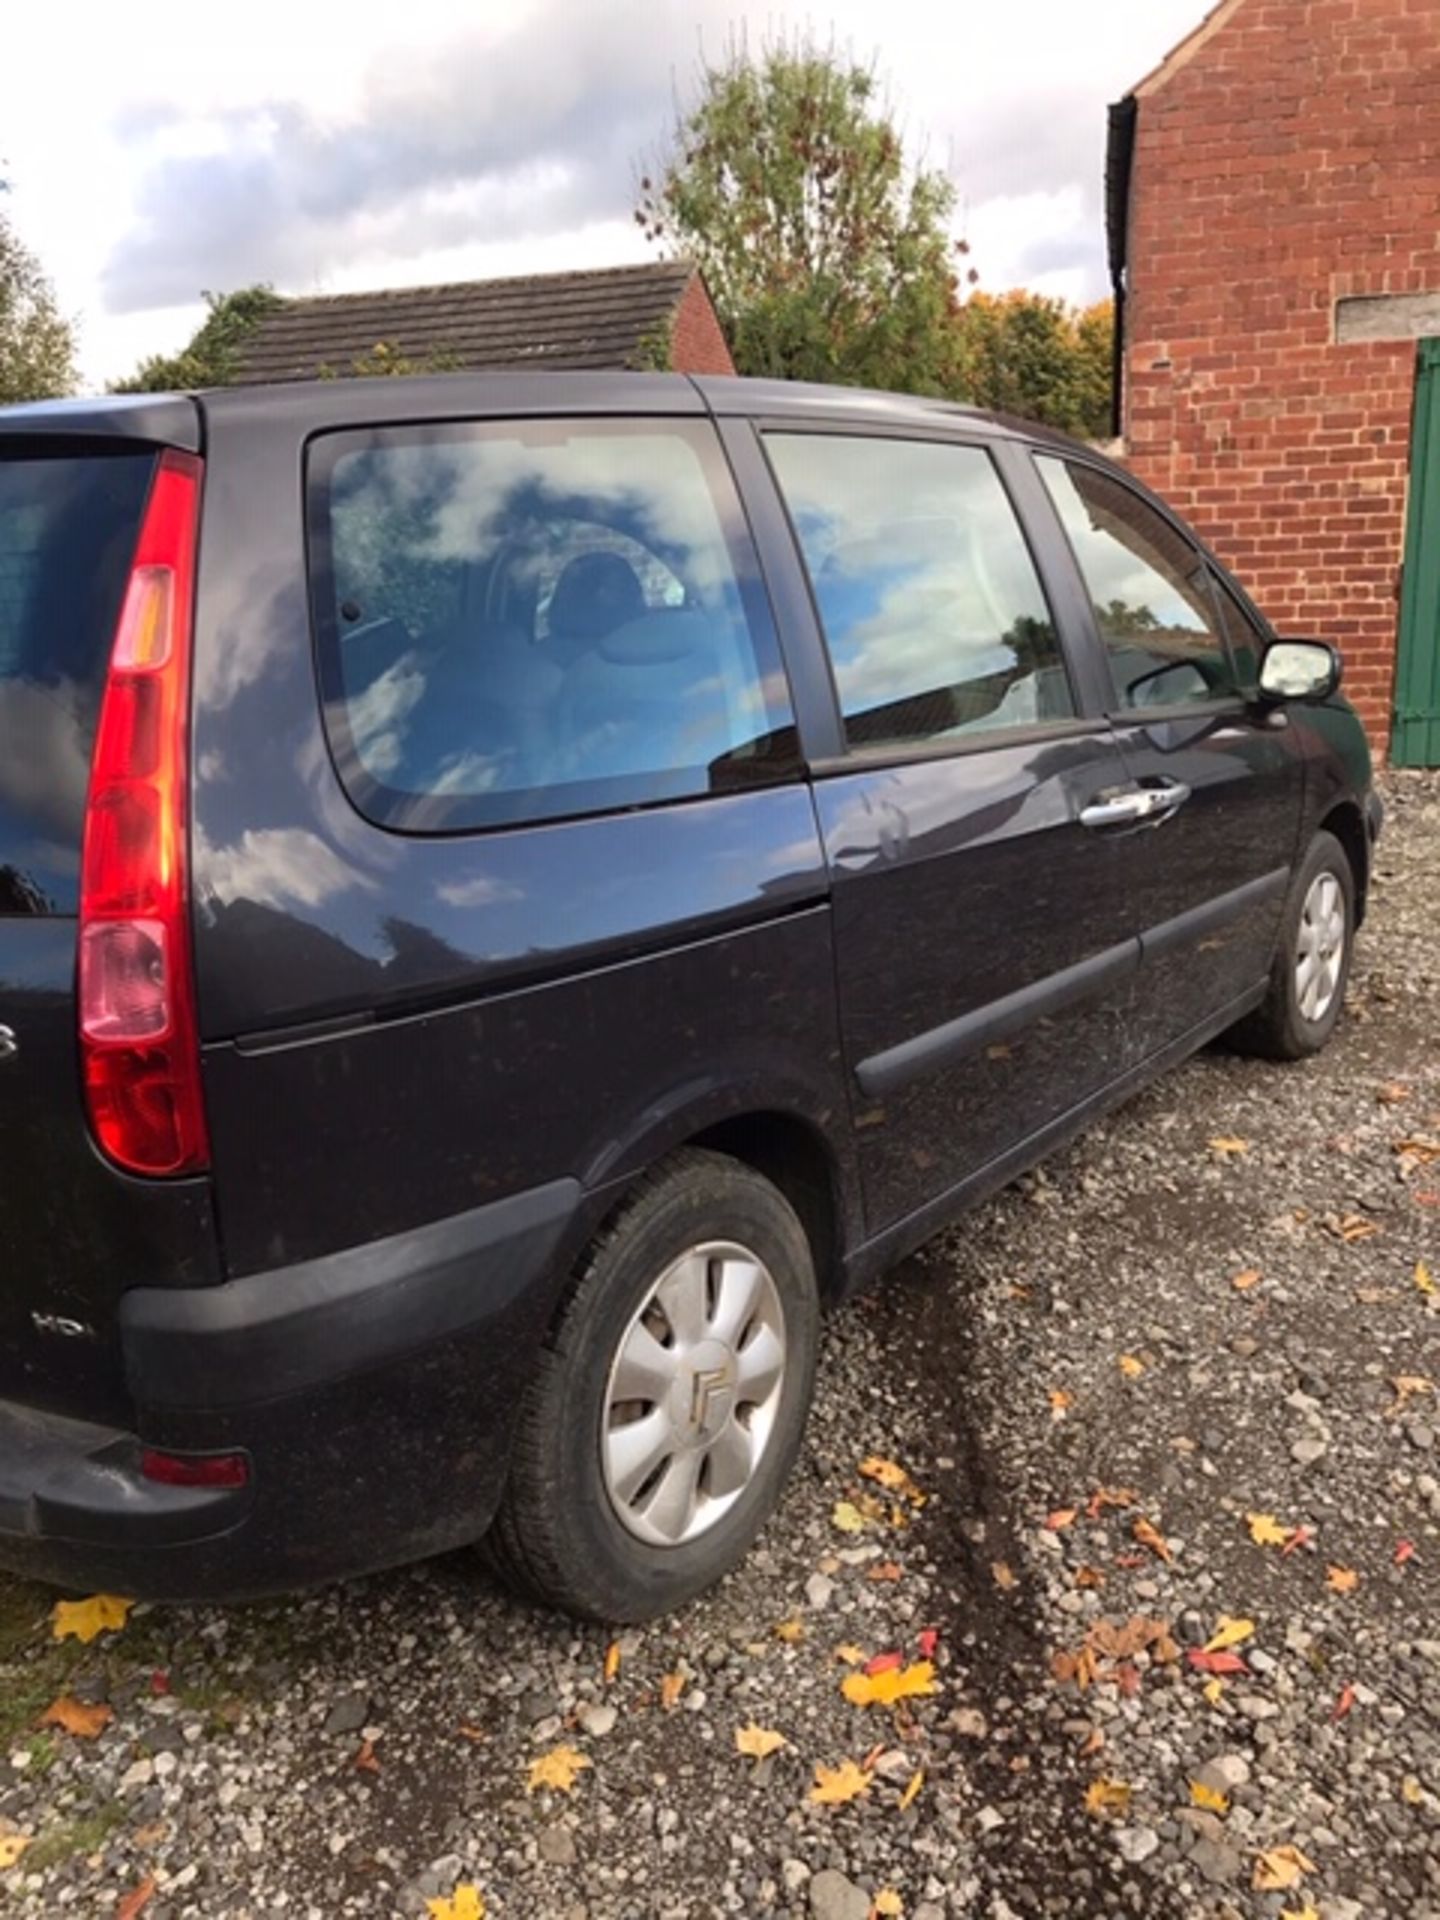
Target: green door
[(1416, 741)]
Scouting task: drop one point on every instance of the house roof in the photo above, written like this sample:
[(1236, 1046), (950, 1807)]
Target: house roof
[(1184, 50), (574, 320)]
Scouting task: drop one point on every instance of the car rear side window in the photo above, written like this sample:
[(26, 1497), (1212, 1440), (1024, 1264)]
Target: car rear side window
[(68, 523), (524, 620), (934, 615), (1149, 587)]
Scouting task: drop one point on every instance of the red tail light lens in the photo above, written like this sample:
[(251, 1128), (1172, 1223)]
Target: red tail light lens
[(138, 1035)]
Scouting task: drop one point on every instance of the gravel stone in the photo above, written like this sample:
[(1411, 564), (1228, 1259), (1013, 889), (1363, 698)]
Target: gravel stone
[(349, 1714), (833, 1897)]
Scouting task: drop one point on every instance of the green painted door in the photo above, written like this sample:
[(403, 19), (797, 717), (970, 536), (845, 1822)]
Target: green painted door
[(1416, 740)]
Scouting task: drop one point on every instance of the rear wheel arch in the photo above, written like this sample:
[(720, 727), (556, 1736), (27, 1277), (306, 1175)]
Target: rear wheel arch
[(1347, 823), (794, 1157)]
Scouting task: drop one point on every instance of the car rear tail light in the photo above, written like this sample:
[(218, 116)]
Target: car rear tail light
[(139, 1040), (194, 1469)]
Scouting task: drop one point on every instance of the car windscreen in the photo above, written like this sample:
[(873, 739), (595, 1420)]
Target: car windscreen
[(68, 523)]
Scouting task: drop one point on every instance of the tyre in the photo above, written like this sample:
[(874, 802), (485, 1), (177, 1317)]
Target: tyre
[(1312, 960), (669, 1399)]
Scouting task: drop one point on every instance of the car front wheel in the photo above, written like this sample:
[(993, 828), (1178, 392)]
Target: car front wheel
[(1312, 959), (670, 1398)]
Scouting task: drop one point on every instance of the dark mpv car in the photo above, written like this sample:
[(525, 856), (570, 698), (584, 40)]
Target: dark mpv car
[(517, 893)]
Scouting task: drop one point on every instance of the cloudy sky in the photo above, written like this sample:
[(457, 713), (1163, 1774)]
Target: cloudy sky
[(325, 147)]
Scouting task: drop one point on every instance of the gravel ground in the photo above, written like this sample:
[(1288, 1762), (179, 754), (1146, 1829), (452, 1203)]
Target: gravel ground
[(1085, 1359)]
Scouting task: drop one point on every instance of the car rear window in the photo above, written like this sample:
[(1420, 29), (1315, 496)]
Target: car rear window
[(522, 620), (68, 523)]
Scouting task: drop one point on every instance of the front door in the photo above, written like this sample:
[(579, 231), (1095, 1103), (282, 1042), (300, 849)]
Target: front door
[(1208, 864), (1416, 739), (983, 954)]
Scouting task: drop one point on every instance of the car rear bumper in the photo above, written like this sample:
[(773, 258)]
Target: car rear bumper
[(372, 1393)]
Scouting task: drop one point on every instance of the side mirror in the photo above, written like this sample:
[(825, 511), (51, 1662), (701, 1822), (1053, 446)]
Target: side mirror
[(1299, 670)]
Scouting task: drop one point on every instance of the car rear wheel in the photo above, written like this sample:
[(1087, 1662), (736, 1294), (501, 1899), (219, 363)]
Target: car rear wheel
[(670, 1397), (1312, 960)]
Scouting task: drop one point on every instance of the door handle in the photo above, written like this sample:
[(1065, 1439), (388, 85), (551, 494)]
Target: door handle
[(1135, 806)]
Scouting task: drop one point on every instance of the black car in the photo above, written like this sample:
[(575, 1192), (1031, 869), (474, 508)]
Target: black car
[(518, 893)]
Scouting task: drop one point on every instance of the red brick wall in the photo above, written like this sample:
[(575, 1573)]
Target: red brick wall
[(697, 345), (1292, 159)]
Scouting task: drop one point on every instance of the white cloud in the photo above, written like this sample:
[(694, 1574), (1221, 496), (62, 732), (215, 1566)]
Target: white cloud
[(334, 147)]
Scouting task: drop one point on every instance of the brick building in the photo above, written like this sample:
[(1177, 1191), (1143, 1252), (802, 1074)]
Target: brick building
[(1273, 207), (658, 315)]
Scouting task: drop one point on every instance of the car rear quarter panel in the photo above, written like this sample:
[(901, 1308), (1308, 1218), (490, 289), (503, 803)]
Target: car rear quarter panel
[(399, 1028)]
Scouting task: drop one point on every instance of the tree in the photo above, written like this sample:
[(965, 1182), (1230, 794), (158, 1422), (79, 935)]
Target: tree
[(37, 345), (1028, 354), (212, 356), (826, 254)]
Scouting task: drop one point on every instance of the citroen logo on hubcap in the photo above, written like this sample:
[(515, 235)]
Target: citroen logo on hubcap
[(708, 1386)]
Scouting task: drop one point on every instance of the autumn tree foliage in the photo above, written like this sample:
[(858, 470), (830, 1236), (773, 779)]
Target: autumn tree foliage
[(1028, 354), (828, 256)]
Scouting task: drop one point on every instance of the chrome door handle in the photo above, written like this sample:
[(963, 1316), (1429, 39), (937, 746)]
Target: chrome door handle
[(1135, 806)]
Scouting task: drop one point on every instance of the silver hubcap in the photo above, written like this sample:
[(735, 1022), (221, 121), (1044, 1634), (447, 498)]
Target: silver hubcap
[(1321, 949), (693, 1392)]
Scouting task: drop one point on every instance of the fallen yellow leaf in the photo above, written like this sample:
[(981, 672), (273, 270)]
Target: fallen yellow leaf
[(1279, 1868), (86, 1619), (835, 1786), (887, 1905), (1411, 1791), (1423, 1278), (671, 1688), (790, 1631), (1131, 1367), (1242, 1282), (850, 1654), (1214, 1688), (558, 1769), (917, 1780), (1341, 1579), (894, 1478), (86, 1723), (1409, 1386), (1060, 1403), (1150, 1536), (1266, 1530), (1308, 1912), (884, 1689), (847, 1517), (1107, 1796), (1226, 1146), (612, 1661), (464, 1904), (1210, 1798), (1229, 1632), (12, 1845), (757, 1742)]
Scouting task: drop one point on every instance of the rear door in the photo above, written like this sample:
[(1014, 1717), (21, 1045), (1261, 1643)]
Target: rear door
[(1208, 866), (983, 953), (73, 1232)]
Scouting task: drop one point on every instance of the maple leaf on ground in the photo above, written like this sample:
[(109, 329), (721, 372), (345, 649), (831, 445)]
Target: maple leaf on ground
[(365, 1759), (887, 1905), (1089, 1577), (1079, 1667), (85, 1722), (894, 1478), (756, 1743), (1341, 1579), (1104, 1497), (1060, 1519), (917, 1780), (1407, 1387), (463, 1904), (1150, 1536), (1060, 1402), (850, 1654), (1404, 1550), (1131, 1367), (847, 1517), (1266, 1530), (884, 1689), (790, 1631), (558, 1769), (883, 1570), (1350, 1227), (1392, 1093), (1214, 1691), (927, 1640), (138, 1898), (12, 1845), (1221, 1661), (1308, 1912), (1229, 1632), (1228, 1146), (671, 1688), (1104, 1796), (1278, 1868), (1210, 1798), (836, 1786), (1242, 1282), (1424, 1279), (85, 1620)]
